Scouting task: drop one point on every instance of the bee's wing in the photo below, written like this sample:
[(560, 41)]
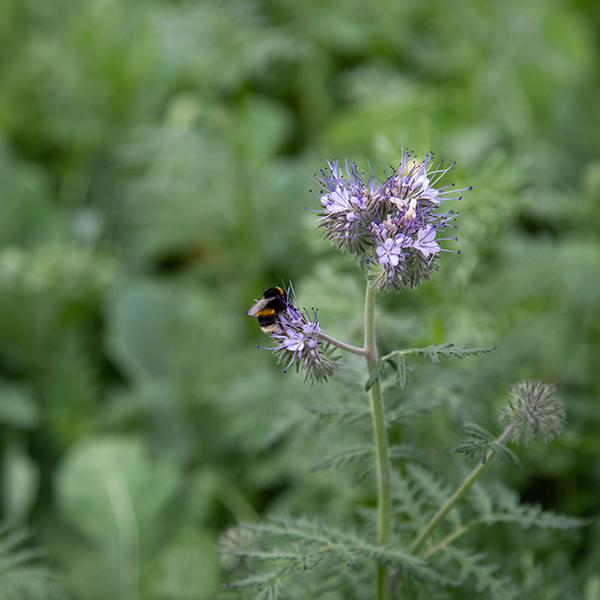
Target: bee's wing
[(258, 306)]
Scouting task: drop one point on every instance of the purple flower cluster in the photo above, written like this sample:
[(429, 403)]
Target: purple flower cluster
[(299, 343), (392, 226)]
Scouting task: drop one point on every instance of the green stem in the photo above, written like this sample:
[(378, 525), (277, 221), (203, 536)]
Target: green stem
[(237, 504), (384, 480), (465, 486), (342, 345), (447, 540)]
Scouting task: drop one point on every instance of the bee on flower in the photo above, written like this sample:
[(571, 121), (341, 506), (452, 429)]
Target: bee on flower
[(298, 335)]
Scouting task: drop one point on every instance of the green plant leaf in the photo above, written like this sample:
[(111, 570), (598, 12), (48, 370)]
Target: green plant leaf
[(344, 457), (115, 494), (483, 441), (397, 360)]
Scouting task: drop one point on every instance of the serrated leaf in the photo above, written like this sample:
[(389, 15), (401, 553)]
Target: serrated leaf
[(481, 440), (21, 575), (345, 413), (472, 565), (266, 579), (402, 370), (344, 458), (528, 516), (398, 453), (375, 374), (433, 488), (411, 409), (398, 363), (361, 473), (408, 453), (397, 360), (433, 352), (510, 510), (344, 546), (506, 454)]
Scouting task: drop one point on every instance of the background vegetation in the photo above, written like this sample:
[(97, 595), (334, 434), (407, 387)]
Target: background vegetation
[(155, 162)]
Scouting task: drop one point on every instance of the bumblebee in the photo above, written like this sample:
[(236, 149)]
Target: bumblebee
[(268, 307)]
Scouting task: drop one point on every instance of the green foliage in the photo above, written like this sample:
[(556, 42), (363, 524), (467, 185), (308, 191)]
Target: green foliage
[(483, 441), (471, 564), (397, 360), (21, 575), (154, 164), (502, 505), (311, 543)]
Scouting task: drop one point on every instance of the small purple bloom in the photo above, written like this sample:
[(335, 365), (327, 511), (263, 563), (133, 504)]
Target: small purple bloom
[(390, 252), (421, 185), (425, 241), (337, 201), (293, 340), (311, 328)]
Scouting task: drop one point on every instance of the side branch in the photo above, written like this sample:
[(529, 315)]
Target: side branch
[(342, 345), (465, 486)]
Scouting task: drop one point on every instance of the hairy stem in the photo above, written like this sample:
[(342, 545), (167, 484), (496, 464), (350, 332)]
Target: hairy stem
[(384, 481), (464, 487), (342, 345)]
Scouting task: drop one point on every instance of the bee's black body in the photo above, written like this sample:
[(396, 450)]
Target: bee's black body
[(268, 307)]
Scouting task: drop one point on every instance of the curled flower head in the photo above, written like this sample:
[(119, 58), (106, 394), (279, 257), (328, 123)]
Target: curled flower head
[(235, 546), (391, 226), (299, 342), (533, 409)]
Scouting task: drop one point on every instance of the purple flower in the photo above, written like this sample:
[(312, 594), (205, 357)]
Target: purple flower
[(293, 341), (299, 343), (425, 241), (390, 252), (337, 201), (390, 226)]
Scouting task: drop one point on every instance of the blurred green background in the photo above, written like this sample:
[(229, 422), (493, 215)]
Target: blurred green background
[(155, 163)]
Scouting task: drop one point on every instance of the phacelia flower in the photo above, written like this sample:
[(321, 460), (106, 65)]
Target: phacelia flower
[(298, 342), (533, 410), (389, 253), (391, 226), (425, 241)]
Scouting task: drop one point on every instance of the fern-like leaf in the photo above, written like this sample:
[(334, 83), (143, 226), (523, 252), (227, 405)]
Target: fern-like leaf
[(472, 564), (316, 539), (344, 412), (344, 458), (398, 363), (508, 509), (408, 454), (21, 576), (410, 410), (402, 453), (264, 580), (532, 515), (433, 489), (481, 440), (397, 360), (271, 585)]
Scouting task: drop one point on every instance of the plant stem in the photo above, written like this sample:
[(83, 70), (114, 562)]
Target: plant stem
[(384, 482), (342, 345), (465, 486)]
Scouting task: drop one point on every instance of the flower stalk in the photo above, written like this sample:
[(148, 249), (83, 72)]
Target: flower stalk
[(342, 345), (465, 486), (384, 479)]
